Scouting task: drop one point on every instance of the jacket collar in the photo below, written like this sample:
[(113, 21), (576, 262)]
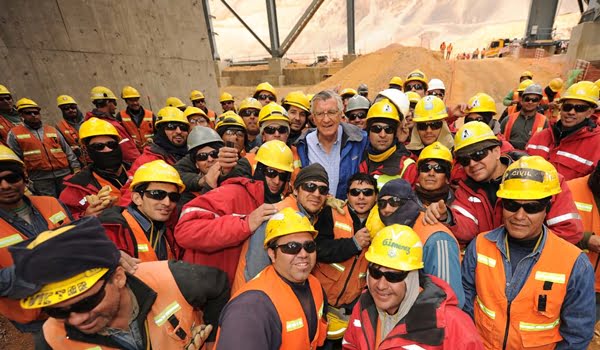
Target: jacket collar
[(349, 133), (498, 236)]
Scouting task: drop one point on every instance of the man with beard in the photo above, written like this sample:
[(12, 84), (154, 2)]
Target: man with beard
[(170, 139), (70, 123), (107, 172), (136, 119), (9, 117), (47, 156), (297, 106)]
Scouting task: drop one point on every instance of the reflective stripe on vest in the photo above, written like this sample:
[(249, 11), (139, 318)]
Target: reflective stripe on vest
[(539, 147), (144, 248), (46, 154), (382, 179), (538, 124), (587, 207), (575, 158)]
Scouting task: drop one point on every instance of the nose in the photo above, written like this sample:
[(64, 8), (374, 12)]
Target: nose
[(75, 319), (521, 214), (381, 284), (302, 253), (4, 184)]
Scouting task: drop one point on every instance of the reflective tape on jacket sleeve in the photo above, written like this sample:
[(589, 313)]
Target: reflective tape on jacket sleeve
[(575, 157), (465, 213), (558, 219)]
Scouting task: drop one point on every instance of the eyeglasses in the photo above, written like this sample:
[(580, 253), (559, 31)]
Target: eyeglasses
[(567, 107), (427, 167), (359, 115), (272, 173), (99, 146), (270, 130), (376, 129), (312, 187), (12, 178), (68, 107), (433, 125), (435, 93), (6, 97), (475, 156), (531, 99), (174, 126), (530, 207), (367, 192), (159, 195), (249, 112), (266, 97), (415, 87), (238, 133), (392, 277), (83, 305), (293, 248), (202, 156), (199, 120), (394, 202), (329, 114), (31, 112)]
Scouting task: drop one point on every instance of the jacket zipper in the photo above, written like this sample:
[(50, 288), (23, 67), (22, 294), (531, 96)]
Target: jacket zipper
[(507, 326), (347, 280)]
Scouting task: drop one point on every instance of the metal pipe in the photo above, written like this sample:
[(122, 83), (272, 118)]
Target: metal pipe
[(273, 28), (210, 30), (300, 25), (350, 23)]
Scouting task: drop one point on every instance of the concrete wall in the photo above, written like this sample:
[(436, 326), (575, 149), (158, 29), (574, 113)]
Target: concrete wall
[(584, 43), (53, 47), (293, 76)]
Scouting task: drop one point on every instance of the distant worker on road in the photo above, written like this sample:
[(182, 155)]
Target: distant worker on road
[(448, 51)]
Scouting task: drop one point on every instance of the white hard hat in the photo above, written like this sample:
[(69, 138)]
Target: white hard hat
[(436, 84), (397, 97)]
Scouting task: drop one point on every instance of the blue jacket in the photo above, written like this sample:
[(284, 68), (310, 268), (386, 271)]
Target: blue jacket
[(578, 312), (354, 143)]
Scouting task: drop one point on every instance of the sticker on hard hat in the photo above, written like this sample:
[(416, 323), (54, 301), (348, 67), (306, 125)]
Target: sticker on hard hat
[(525, 174), (412, 75), (466, 134), (428, 104), (278, 216), (387, 108), (475, 103), (390, 243)]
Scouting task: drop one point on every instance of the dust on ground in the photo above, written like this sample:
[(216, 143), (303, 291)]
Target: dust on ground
[(12, 339)]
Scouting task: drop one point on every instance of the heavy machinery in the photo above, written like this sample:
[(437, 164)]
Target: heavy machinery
[(497, 48)]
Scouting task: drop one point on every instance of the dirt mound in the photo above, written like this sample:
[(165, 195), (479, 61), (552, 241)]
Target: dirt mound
[(12, 339)]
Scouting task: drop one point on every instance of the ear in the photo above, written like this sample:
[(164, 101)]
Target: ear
[(136, 198), (119, 278), (295, 192), (271, 254)]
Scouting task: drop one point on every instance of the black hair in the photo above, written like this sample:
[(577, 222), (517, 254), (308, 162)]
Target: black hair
[(141, 187), (362, 177)]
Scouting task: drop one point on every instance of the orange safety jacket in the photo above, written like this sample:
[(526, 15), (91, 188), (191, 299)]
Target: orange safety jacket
[(590, 216), (5, 126), (426, 230), (534, 315), (294, 326), (46, 154), (145, 251), (344, 281), (168, 324), (140, 134), (212, 116), (55, 215), (72, 137), (538, 124)]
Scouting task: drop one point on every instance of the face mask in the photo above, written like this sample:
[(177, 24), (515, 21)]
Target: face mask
[(106, 160)]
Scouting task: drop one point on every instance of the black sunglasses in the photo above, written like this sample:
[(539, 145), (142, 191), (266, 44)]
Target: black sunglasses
[(355, 192), (530, 207), (159, 195), (433, 125), (531, 99), (270, 130), (395, 202), (99, 146), (6, 97), (360, 115), (293, 248), (437, 94), (67, 107), (174, 126), (567, 107), (12, 178), (266, 97), (31, 112), (377, 129), (202, 156), (427, 167), (312, 187), (475, 156), (415, 87), (272, 173), (249, 112), (392, 277)]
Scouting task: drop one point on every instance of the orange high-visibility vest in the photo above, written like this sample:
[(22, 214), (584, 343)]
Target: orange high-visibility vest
[(69, 133), (144, 249), (142, 133), (46, 154), (5, 126), (115, 192), (538, 124)]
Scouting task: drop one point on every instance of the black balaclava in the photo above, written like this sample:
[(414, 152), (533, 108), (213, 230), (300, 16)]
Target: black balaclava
[(110, 161), (406, 214), (259, 174)]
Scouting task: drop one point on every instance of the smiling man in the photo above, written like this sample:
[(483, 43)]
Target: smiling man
[(519, 294), (520, 126)]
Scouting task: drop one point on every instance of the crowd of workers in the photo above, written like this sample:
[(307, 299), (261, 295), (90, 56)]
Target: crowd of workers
[(334, 220)]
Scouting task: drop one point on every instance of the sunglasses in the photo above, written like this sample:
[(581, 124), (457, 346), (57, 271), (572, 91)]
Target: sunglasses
[(68, 107), (293, 248), (392, 277), (271, 130), (474, 119), (530, 207), (475, 156), (266, 97), (31, 112), (354, 116), (355, 192), (427, 167), (249, 112), (272, 173), (99, 146), (531, 99), (394, 202), (433, 125), (238, 133), (415, 87), (159, 195), (312, 187), (202, 156), (437, 94), (199, 120), (378, 128), (174, 126), (6, 97), (567, 107), (12, 178)]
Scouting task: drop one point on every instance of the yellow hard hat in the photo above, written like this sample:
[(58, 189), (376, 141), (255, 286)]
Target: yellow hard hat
[(527, 74), (264, 87), (170, 114), (276, 154), (416, 75), (102, 93), (130, 92), (174, 102), (65, 100), (529, 178), (229, 118), (436, 151), (396, 247), (297, 99), (196, 95), (584, 91), (287, 222), (4, 90), (26, 103), (383, 109), (396, 81), (413, 97), (157, 171), (524, 84), (430, 108), (310, 97), (597, 82), (348, 92), (272, 111), (481, 103), (226, 97), (7, 155), (250, 102), (97, 127), (189, 111), (556, 84), (471, 133)]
